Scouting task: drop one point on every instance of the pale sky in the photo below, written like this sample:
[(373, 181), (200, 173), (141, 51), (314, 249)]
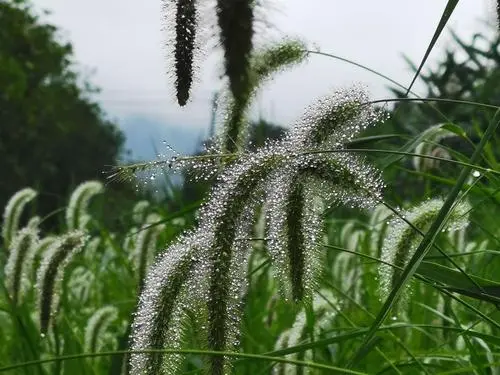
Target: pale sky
[(124, 42)]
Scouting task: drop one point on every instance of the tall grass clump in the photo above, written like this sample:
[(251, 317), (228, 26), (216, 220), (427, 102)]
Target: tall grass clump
[(285, 174), (348, 245)]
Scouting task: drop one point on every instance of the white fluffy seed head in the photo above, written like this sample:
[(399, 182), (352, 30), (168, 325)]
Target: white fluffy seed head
[(80, 283), (334, 120), (77, 216), (13, 211), (402, 240), (41, 247), (379, 220), (218, 250), (429, 146), (51, 271), (19, 263), (97, 326), (165, 296), (323, 305), (145, 243), (139, 211)]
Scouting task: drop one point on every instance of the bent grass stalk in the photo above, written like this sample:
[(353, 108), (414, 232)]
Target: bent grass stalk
[(429, 237), (76, 212), (50, 274), (145, 244), (13, 211), (97, 326), (155, 324), (235, 19), (19, 263), (401, 239), (222, 255), (263, 65)]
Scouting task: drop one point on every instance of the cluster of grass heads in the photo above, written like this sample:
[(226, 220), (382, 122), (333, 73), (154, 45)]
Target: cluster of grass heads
[(296, 264)]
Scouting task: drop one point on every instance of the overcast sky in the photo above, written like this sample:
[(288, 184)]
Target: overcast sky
[(124, 42)]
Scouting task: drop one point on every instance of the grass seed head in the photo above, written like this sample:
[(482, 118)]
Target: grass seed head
[(402, 239), (51, 272), (13, 211), (19, 263), (76, 212)]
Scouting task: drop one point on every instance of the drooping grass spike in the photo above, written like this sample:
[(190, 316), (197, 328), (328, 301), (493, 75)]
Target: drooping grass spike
[(77, 216), (13, 211), (34, 222), (97, 325), (39, 251), (430, 146), (378, 223), (19, 263), (235, 19), (140, 211), (185, 36), (158, 322), (402, 240), (263, 64), (296, 242), (284, 173), (80, 283), (51, 271), (92, 247), (299, 332), (333, 177), (145, 244)]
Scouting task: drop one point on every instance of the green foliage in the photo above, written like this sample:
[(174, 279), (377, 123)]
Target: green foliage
[(273, 226), (52, 135)]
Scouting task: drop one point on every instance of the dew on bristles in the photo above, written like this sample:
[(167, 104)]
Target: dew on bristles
[(297, 178)]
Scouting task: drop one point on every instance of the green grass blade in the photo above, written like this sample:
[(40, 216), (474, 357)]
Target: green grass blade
[(450, 6), (430, 236), (262, 357), (455, 279)]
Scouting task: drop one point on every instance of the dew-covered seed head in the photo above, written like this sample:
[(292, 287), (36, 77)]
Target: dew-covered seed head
[(402, 239), (51, 271), (19, 263), (97, 326), (13, 211), (76, 212)]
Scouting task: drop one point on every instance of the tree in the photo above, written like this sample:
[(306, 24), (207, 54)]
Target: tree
[(52, 135)]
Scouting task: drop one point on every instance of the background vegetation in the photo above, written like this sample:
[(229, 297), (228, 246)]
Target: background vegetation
[(53, 137)]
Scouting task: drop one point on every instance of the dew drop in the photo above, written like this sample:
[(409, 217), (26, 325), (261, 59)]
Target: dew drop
[(476, 174)]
